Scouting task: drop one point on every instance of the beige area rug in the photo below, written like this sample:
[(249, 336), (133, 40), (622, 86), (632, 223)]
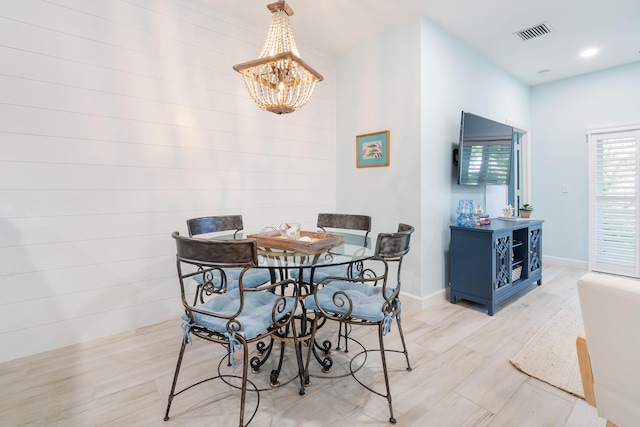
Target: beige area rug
[(550, 355)]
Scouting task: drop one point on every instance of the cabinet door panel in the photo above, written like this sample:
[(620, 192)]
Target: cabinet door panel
[(503, 253), (535, 249)]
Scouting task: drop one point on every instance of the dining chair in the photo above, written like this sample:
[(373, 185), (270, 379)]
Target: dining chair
[(235, 318), (222, 280), (368, 299), (337, 222), (328, 222)]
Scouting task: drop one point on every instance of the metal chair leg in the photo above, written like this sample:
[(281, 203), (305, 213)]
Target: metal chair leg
[(175, 380), (392, 420), (245, 373), (404, 346), (345, 335)]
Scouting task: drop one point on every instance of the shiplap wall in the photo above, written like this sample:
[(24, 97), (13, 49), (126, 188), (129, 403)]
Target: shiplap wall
[(119, 119)]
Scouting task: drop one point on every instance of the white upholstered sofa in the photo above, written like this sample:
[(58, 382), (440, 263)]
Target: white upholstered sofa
[(610, 357)]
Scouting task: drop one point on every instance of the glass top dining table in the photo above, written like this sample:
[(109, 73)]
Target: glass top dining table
[(355, 248), (352, 253)]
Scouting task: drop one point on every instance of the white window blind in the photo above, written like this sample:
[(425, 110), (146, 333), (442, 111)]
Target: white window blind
[(613, 202), (486, 160)]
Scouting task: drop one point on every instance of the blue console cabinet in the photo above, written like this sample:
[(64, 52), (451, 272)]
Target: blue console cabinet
[(490, 263)]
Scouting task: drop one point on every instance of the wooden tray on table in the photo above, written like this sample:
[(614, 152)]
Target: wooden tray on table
[(318, 242)]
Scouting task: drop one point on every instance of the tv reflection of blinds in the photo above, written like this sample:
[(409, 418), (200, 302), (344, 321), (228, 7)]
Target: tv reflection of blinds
[(485, 151)]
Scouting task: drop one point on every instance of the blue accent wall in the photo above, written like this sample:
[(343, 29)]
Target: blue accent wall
[(561, 112)]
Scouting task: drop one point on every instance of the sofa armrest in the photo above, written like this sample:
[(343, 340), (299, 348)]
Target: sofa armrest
[(610, 312)]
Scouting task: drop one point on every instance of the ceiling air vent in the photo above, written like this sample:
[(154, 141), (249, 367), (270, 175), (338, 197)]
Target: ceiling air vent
[(533, 32)]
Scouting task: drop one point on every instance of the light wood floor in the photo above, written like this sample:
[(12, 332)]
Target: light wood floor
[(461, 376)]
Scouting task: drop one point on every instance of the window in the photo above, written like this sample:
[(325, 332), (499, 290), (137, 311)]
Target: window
[(614, 210)]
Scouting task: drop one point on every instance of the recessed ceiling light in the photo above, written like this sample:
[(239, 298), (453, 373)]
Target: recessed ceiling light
[(588, 53)]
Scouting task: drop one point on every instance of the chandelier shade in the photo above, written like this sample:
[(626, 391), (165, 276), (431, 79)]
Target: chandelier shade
[(279, 81)]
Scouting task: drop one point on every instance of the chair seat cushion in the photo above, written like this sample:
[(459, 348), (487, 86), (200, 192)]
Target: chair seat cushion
[(320, 272), (367, 300), (254, 319), (252, 278)]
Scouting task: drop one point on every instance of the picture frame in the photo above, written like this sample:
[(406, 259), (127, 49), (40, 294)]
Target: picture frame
[(372, 149)]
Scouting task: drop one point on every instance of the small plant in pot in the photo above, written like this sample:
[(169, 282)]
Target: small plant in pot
[(525, 210)]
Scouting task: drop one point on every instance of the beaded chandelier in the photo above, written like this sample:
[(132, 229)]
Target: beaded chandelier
[(279, 80)]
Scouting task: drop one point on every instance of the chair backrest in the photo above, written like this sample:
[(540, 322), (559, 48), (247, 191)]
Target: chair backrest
[(206, 261), (213, 224), (344, 222), (610, 308), (216, 253), (393, 246)]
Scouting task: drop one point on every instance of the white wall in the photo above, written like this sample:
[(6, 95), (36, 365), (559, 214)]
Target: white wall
[(561, 113), (456, 78), (118, 121), (415, 80), (378, 88)]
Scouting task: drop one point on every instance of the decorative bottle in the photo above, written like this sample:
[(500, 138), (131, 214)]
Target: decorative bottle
[(466, 213)]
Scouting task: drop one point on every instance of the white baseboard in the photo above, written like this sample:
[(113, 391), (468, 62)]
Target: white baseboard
[(566, 262), (424, 302)]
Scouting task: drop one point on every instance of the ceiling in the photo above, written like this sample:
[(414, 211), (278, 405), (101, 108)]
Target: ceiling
[(488, 26)]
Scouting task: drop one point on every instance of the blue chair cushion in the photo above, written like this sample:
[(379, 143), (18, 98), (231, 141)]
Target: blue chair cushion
[(320, 272), (252, 278), (255, 317), (367, 300)]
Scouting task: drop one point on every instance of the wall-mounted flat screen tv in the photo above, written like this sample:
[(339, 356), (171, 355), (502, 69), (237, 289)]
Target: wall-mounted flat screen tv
[(484, 156)]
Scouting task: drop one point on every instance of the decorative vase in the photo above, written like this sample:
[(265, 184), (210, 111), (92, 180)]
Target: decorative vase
[(466, 214)]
